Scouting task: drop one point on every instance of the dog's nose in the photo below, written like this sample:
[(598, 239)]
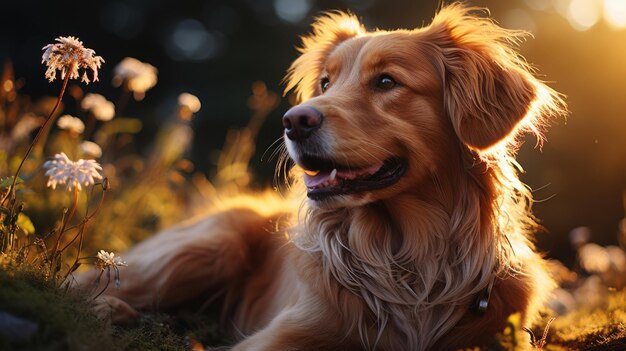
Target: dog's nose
[(301, 121)]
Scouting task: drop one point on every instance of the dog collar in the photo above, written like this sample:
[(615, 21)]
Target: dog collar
[(481, 302)]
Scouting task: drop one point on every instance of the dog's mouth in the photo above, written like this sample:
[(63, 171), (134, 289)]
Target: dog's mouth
[(325, 178)]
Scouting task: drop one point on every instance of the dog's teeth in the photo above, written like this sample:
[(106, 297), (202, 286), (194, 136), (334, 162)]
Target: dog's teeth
[(333, 174), (311, 173)]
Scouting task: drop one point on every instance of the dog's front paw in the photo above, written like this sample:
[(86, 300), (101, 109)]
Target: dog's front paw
[(110, 308)]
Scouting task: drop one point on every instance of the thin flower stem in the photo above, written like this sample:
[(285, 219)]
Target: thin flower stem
[(82, 225), (67, 219), (80, 248), (11, 190), (78, 234), (106, 285), (88, 216)]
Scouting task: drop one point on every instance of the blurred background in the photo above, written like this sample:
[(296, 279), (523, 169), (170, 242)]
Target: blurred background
[(217, 49)]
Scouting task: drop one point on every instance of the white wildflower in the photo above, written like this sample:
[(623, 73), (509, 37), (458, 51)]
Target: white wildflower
[(189, 101), (108, 259), (138, 76), (68, 56), (62, 170), (101, 108), (91, 148), (71, 124)]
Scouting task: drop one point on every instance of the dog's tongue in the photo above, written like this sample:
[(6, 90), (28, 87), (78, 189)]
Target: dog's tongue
[(313, 179)]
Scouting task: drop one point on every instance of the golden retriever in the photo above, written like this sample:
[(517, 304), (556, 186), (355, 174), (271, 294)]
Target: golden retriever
[(414, 231)]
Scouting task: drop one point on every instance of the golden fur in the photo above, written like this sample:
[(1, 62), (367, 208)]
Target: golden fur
[(396, 268)]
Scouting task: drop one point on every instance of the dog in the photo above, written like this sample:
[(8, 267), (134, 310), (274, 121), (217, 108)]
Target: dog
[(410, 229)]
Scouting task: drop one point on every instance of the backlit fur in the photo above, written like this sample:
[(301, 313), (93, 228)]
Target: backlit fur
[(391, 269)]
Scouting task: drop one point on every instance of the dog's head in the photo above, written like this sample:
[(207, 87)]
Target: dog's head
[(382, 110)]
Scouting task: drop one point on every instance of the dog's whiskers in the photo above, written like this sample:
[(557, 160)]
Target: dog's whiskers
[(278, 143)]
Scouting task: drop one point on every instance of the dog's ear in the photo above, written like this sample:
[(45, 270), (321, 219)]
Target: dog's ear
[(488, 87), (328, 31)]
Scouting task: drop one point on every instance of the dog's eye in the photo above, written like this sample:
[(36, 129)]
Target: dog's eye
[(324, 83), (385, 82)]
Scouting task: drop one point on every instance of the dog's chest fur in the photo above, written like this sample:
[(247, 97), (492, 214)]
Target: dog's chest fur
[(411, 287)]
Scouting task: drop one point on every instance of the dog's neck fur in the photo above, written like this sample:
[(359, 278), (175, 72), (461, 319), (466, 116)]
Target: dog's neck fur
[(415, 262)]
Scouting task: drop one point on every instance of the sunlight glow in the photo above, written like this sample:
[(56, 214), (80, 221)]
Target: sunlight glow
[(615, 13), (583, 14), (561, 6)]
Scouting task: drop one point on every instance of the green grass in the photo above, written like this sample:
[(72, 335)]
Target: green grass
[(66, 321)]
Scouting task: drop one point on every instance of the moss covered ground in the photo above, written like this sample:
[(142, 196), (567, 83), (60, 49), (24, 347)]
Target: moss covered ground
[(65, 321)]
